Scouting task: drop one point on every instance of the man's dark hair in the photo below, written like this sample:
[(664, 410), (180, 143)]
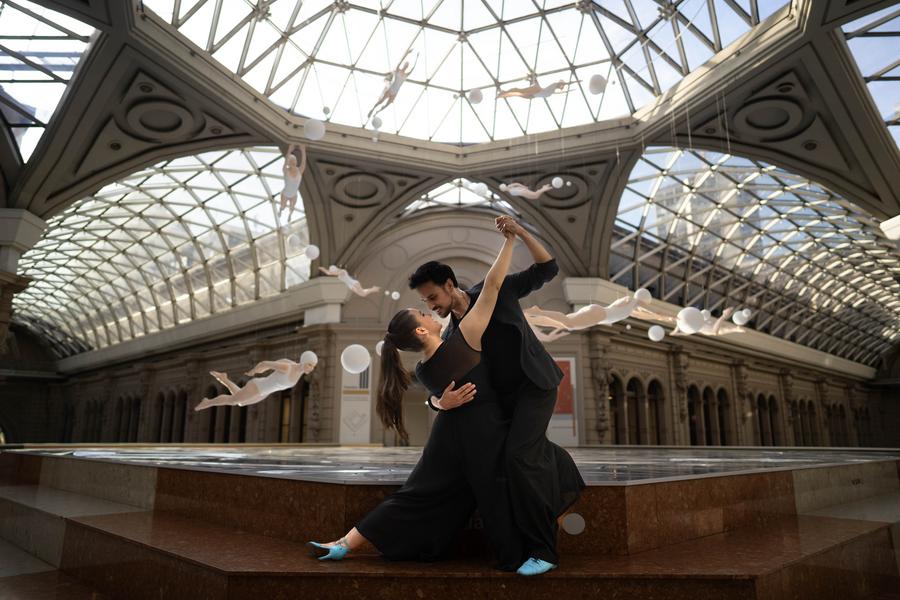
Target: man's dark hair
[(433, 271)]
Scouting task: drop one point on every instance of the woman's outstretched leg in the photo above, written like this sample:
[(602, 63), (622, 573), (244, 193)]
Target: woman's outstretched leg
[(245, 395), (223, 379)]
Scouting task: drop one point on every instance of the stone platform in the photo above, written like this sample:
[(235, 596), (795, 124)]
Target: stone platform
[(229, 522)]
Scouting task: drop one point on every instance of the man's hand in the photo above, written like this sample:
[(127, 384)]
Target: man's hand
[(506, 224), (451, 398)]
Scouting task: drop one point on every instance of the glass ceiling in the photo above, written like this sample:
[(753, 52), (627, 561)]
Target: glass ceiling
[(175, 242), (459, 194), (39, 49), (328, 60), (712, 230), (873, 41)]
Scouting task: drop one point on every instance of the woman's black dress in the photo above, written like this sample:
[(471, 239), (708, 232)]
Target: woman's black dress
[(461, 468)]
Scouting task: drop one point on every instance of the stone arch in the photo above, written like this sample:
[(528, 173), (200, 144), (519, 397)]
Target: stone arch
[(726, 436), (695, 416), (656, 413), (710, 419), (763, 424), (634, 403), (774, 421)]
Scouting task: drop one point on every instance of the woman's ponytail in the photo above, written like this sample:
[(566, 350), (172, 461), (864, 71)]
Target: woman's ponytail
[(395, 379)]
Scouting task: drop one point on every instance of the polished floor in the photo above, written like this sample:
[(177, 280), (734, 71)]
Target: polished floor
[(376, 465)]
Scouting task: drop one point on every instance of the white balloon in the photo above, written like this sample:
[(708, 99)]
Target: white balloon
[(378, 347), (314, 129), (739, 318), (690, 320), (573, 523), (597, 84), (309, 357), (293, 241), (374, 138), (706, 313), (557, 182), (568, 183), (656, 333), (355, 358), (387, 292), (395, 295), (643, 295), (503, 187), (326, 110), (747, 313), (482, 190), (476, 96), (376, 122), (312, 252), (628, 327)]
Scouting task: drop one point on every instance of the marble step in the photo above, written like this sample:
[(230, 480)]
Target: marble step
[(148, 555), (25, 577), (34, 518)]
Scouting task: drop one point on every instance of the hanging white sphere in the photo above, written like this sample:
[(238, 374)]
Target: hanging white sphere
[(376, 122), (597, 84), (573, 524), (568, 183), (293, 241), (476, 96), (312, 252), (747, 313), (355, 358), (314, 129), (309, 358), (378, 347), (656, 333), (690, 320), (374, 138), (395, 295), (739, 318), (503, 187), (481, 189), (387, 292), (326, 110), (628, 327), (706, 314), (642, 295), (557, 182)]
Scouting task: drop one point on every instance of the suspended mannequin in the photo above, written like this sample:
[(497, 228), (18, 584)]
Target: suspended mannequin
[(534, 90), (720, 326), (521, 190), (353, 284), (548, 337), (392, 83), (292, 176), (590, 315), (285, 375)]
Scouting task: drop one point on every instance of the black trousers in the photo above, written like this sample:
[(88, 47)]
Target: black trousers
[(461, 468), (543, 479)]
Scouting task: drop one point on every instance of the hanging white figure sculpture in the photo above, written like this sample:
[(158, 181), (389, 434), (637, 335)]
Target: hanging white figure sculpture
[(535, 90), (590, 315), (520, 189), (548, 337), (292, 176), (354, 285), (392, 83), (712, 326), (285, 375)]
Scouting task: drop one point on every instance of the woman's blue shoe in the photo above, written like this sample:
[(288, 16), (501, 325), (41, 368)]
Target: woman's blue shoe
[(323, 552), (535, 566)]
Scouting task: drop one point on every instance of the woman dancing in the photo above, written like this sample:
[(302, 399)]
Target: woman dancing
[(461, 467)]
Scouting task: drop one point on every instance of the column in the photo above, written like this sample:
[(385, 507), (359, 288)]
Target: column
[(20, 230)]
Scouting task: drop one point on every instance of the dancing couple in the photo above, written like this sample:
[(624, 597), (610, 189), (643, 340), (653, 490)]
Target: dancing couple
[(494, 387)]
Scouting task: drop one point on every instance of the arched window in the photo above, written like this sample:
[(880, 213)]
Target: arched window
[(616, 411), (805, 436), (724, 417), (180, 419), (634, 399), (845, 432), (813, 425), (694, 419), (656, 412), (774, 422), (216, 414), (763, 424), (710, 422), (798, 432)]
